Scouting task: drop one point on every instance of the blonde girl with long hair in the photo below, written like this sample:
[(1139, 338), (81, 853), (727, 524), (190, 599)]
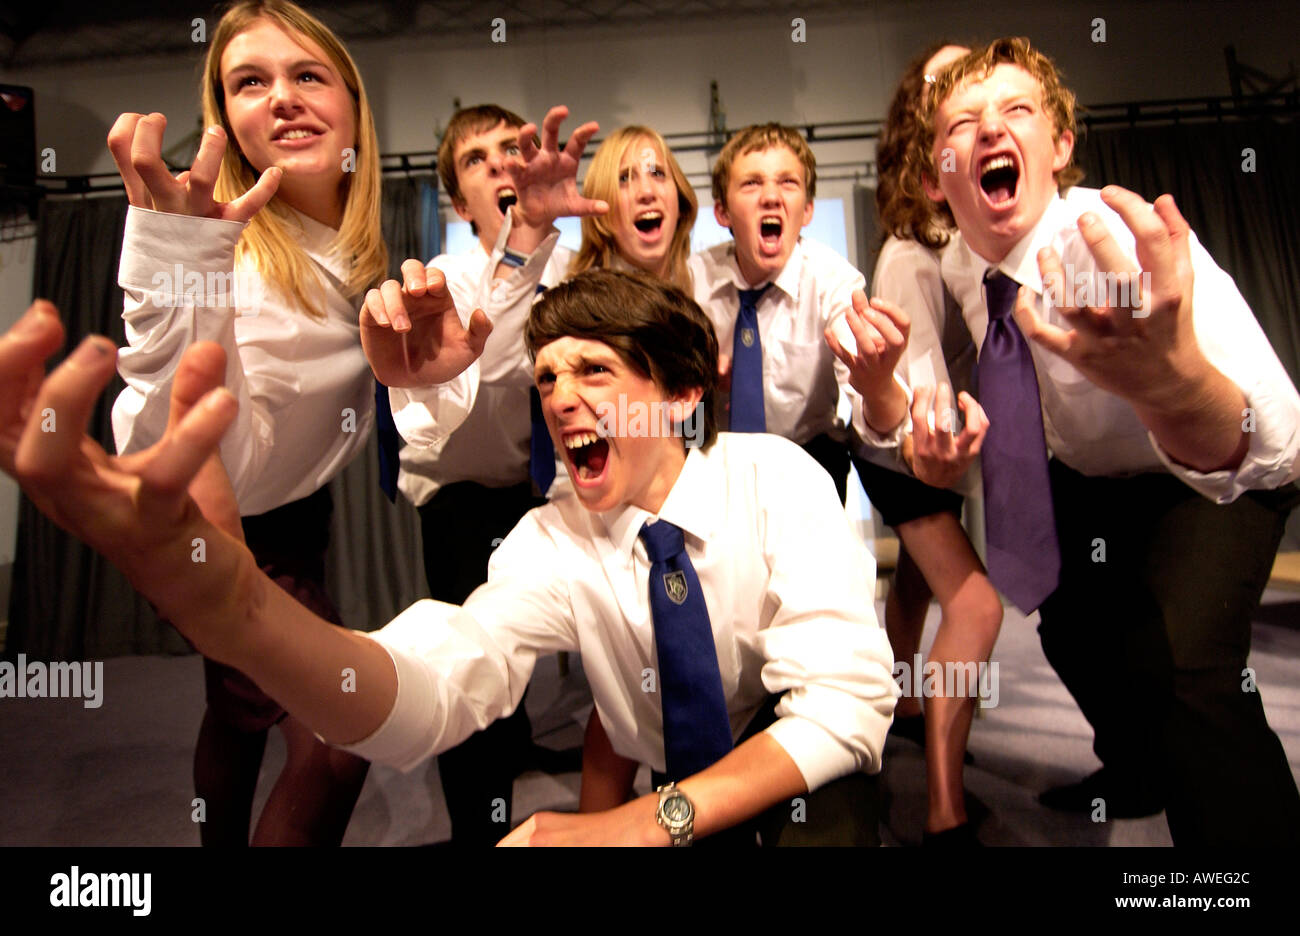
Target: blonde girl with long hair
[(265, 246)]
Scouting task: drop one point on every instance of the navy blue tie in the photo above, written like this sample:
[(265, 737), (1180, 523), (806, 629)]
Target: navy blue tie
[(747, 367), (1023, 554), (541, 453), (697, 731), (390, 443)]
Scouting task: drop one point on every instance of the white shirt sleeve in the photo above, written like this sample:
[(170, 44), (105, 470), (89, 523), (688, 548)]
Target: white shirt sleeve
[(1230, 337), (461, 668), (425, 416), (169, 263), (823, 649)]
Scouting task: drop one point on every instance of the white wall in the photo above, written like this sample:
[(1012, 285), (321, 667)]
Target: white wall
[(659, 73)]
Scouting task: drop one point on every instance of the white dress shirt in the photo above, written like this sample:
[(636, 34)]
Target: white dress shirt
[(789, 593), (491, 445), (1098, 433), (802, 378), (305, 391)]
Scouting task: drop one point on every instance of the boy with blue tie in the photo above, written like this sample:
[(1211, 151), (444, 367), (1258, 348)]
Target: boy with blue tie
[(705, 587)]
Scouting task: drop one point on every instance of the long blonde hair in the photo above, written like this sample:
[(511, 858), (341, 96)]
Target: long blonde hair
[(598, 244), (268, 240)]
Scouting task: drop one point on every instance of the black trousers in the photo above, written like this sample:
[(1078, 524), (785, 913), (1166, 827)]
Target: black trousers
[(844, 812), (1150, 631), (461, 525)]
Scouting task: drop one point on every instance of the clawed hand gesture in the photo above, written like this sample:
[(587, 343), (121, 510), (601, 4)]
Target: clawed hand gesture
[(138, 509), (546, 179), (879, 331), (136, 144), (1140, 347), (411, 332), (939, 454)]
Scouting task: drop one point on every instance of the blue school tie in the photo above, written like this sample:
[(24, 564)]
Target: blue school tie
[(390, 443), (1024, 556), (747, 367), (697, 731), (541, 453)]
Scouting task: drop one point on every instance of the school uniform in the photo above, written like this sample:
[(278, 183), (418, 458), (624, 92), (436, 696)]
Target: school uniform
[(805, 386), (472, 486), (907, 274), (788, 594), (304, 388), (1161, 566)]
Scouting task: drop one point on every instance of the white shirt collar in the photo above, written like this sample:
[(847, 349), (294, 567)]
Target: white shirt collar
[(1021, 262), (787, 280), (693, 504)]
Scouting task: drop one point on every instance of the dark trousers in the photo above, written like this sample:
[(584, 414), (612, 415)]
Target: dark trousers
[(1150, 632), (834, 457), (461, 525), (844, 812)]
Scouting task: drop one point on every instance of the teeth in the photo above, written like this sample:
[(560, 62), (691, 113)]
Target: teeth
[(998, 162), (578, 440), (507, 193), (296, 135), (650, 216)]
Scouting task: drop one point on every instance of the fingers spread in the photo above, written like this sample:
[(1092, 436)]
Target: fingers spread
[(203, 172), (52, 436), (146, 159), (551, 128), (252, 201), (202, 368), (579, 139), (187, 445), (120, 140), (1107, 252)]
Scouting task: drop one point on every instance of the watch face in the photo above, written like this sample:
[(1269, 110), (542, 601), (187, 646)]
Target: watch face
[(677, 809)]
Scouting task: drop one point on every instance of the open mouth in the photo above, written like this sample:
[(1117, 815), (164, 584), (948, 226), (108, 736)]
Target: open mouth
[(769, 234), (506, 198), (649, 222), (588, 453), (999, 177)]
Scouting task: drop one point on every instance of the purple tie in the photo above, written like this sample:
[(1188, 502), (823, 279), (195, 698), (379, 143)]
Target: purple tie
[(1023, 553)]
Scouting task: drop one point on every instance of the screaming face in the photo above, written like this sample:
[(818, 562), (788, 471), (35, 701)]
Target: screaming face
[(997, 154)]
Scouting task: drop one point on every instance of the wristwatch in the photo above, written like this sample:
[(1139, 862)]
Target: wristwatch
[(676, 814)]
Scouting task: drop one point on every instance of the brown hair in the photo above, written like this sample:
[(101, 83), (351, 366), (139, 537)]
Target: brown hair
[(763, 137), (465, 123), (599, 246), (1058, 100), (904, 209), (267, 239), (654, 326)]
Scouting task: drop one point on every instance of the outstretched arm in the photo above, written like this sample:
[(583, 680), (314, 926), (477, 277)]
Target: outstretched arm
[(137, 511)]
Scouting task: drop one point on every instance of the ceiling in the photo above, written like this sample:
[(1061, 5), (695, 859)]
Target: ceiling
[(35, 33)]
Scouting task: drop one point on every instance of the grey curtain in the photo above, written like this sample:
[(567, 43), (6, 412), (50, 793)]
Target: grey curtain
[(1237, 186), (67, 602)]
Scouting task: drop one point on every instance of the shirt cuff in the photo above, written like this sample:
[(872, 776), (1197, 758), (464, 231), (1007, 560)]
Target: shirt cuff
[(402, 741), (180, 259), (426, 416), (872, 439), (817, 753), (526, 277), (1273, 427)]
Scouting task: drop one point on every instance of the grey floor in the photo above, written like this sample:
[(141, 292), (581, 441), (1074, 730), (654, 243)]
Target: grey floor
[(120, 774)]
